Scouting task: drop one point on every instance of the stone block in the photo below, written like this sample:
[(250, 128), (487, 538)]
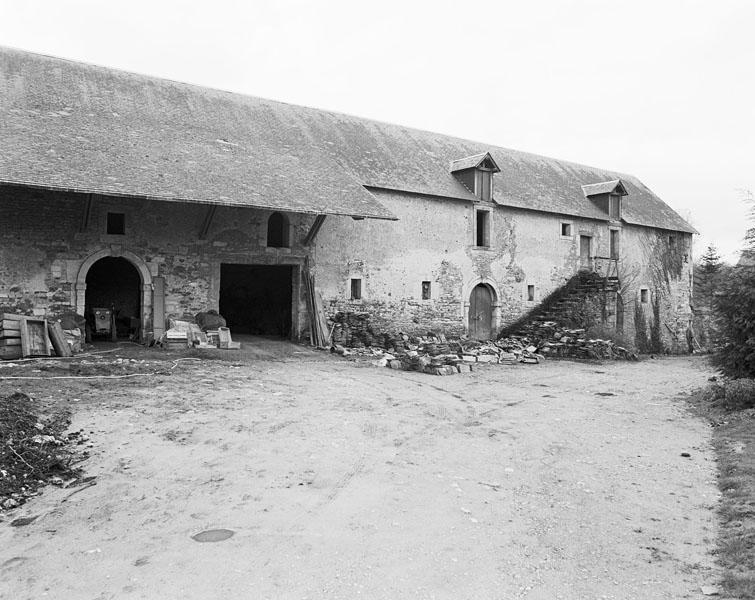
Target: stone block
[(487, 358)]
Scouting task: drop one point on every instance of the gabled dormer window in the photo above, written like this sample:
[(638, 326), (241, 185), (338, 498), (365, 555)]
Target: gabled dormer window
[(476, 174), (607, 195)]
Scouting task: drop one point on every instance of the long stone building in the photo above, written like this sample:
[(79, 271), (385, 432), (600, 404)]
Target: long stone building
[(160, 198)]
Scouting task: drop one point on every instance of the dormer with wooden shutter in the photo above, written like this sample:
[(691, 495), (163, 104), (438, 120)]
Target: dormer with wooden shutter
[(476, 174), (607, 196)]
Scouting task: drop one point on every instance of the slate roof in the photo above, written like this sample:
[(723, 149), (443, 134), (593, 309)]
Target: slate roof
[(605, 187), (68, 125), (472, 162)]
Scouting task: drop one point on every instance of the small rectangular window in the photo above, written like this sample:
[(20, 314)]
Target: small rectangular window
[(614, 240), (116, 223), (671, 241), (644, 295), (482, 234), (356, 289), (566, 229), (530, 293), (425, 290)]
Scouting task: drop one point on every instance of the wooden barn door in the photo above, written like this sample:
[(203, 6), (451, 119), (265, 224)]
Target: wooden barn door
[(481, 313)]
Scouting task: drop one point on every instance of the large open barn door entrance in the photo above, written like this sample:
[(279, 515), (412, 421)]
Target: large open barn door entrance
[(113, 292), (257, 299)]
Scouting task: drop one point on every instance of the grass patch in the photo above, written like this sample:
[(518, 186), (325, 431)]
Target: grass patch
[(734, 443)]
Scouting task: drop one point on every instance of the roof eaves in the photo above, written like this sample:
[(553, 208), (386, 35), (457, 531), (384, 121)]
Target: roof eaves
[(386, 215)]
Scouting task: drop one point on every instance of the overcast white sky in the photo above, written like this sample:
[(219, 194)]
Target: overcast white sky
[(661, 89)]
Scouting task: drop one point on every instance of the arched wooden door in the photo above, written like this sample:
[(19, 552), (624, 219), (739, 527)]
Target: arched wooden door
[(481, 313)]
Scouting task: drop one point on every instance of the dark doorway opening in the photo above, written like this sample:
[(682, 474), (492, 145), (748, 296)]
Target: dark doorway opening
[(114, 284), (256, 299)]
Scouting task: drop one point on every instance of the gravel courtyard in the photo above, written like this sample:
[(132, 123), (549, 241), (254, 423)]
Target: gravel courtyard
[(339, 479)]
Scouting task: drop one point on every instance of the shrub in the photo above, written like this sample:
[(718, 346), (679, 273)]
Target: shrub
[(740, 394), (735, 307), (713, 394)]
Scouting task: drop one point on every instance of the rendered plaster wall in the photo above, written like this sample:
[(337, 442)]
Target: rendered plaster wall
[(393, 258), (43, 247), (434, 240)]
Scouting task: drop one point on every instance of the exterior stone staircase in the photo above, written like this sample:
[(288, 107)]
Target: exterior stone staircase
[(566, 304)]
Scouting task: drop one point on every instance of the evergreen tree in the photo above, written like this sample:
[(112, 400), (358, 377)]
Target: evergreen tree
[(707, 278), (710, 262), (735, 311)]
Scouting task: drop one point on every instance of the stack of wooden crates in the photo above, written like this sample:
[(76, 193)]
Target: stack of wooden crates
[(25, 336)]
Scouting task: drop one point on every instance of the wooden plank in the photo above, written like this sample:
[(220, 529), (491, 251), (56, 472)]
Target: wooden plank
[(58, 339), (158, 306), (10, 342), (209, 216), (10, 352), (34, 340), (13, 317), (10, 325), (319, 220), (86, 214)]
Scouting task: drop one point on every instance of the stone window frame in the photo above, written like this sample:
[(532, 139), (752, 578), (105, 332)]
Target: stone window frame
[(570, 225), (617, 229), (286, 231), (351, 288), (487, 228), (119, 215)]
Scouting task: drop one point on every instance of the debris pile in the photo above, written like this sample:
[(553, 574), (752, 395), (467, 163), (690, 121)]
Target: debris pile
[(207, 331), (34, 451), (552, 339), (435, 354)]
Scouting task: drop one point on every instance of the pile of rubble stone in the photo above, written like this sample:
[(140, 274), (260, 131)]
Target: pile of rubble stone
[(437, 355), (554, 340)]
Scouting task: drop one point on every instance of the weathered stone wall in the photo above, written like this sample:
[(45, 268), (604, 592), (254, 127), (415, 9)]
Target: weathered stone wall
[(43, 247), (652, 262)]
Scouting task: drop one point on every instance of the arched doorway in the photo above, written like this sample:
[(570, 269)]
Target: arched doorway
[(114, 283), (145, 277), (481, 312)]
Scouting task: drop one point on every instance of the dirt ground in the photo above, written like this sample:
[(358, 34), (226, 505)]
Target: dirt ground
[(339, 479)]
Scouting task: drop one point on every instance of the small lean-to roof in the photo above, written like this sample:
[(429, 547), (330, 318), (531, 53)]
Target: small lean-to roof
[(472, 162), (604, 187), (68, 125), (81, 128)]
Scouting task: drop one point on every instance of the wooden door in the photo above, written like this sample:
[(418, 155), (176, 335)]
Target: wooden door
[(481, 313), (585, 241)]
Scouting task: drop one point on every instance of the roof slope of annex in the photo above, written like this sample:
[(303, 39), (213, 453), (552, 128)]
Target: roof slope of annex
[(70, 125)]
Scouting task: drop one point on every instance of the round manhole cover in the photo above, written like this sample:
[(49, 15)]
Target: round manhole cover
[(212, 535)]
